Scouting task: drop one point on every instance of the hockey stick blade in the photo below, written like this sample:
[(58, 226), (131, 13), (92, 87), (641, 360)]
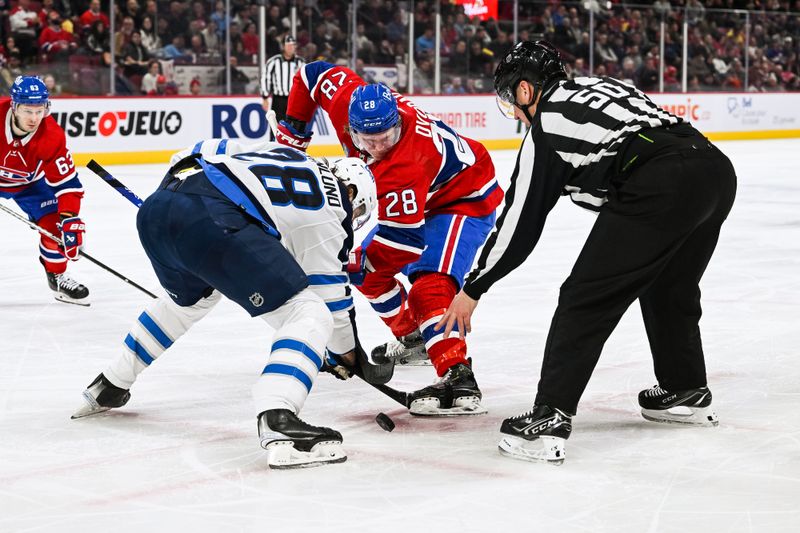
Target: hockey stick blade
[(372, 373), (118, 186), (399, 396)]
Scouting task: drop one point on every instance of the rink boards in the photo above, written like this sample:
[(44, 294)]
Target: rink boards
[(149, 130)]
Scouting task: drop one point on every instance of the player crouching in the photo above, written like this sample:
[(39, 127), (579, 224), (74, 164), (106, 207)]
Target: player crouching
[(38, 173), (279, 254)]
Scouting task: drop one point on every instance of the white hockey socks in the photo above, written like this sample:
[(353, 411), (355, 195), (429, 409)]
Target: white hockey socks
[(157, 328), (303, 326)]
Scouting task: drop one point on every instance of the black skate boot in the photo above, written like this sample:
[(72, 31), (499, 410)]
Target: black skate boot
[(455, 393), (67, 290), (538, 435), (691, 407), (292, 443), (100, 396), (406, 350)]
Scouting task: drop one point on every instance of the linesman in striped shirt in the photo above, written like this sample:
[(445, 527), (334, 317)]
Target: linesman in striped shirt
[(279, 72), (662, 192)]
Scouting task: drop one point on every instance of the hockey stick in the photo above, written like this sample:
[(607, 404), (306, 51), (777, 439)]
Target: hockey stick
[(95, 167), (82, 253), (371, 373)]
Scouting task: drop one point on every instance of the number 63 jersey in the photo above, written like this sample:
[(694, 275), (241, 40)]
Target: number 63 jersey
[(42, 154), (298, 201)]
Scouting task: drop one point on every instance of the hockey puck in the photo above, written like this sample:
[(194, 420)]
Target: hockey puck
[(384, 422)]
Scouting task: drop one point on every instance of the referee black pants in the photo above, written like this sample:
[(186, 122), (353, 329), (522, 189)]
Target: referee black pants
[(652, 242)]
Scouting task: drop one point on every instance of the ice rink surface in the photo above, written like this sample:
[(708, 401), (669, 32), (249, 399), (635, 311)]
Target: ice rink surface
[(183, 454)]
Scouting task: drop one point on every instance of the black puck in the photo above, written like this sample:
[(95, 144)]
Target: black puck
[(384, 422)]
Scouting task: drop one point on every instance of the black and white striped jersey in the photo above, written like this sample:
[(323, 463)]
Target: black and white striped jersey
[(278, 75), (571, 149)]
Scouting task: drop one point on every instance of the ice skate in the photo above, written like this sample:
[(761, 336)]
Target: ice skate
[(406, 350), (690, 407), (100, 396), (456, 393), (538, 435), (291, 443), (67, 290)]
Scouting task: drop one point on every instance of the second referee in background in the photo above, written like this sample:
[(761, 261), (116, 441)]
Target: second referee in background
[(277, 79)]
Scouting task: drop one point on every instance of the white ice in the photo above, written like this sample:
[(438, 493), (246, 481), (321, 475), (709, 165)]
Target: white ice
[(183, 454)]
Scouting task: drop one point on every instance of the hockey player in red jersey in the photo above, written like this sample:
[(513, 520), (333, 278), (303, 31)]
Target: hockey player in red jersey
[(437, 196), (37, 172)]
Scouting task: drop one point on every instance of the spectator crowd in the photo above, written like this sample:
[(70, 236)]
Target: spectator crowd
[(72, 42)]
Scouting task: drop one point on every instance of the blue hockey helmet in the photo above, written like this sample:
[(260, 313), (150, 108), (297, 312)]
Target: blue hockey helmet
[(374, 119), (29, 90)]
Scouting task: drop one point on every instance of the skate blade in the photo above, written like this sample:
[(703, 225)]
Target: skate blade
[(686, 416), (414, 362), (544, 449), (464, 406), (90, 407), (282, 455), (67, 300)]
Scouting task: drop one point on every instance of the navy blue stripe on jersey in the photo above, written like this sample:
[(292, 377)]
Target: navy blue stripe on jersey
[(314, 70), (287, 370), (229, 185), (154, 330), (300, 347), (324, 279), (413, 237), (73, 185), (451, 165), (139, 350), (339, 305)]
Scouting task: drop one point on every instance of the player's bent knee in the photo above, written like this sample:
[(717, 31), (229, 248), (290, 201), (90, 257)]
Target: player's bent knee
[(304, 309)]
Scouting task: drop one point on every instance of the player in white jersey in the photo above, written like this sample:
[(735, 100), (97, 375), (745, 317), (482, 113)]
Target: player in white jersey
[(271, 229)]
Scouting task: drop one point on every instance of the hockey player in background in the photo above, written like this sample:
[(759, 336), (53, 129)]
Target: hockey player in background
[(37, 172), (437, 196), (662, 191), (270, 228)]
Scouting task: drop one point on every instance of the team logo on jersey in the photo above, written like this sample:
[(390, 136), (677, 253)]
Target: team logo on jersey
[(256, 299), (12, 175)]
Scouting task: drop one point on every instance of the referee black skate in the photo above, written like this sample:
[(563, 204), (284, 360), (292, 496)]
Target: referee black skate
[(276, 82), (662, 191)]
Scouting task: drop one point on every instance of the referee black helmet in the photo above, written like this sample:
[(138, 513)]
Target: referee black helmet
[(537, 62)]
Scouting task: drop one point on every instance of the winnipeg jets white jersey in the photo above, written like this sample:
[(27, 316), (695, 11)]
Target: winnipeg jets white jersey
[(301, 203)]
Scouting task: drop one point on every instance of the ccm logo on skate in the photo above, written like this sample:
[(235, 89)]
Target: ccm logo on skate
[(537, 428), (126, 123)]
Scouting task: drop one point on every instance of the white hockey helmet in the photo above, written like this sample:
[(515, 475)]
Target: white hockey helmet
[(353, 172)]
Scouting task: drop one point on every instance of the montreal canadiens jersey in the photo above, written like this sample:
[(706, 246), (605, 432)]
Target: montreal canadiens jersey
[(304, 206), (432, 170), (42, 154)]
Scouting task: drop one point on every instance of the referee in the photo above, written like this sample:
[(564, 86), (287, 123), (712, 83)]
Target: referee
[(277, 80), (662, 191)]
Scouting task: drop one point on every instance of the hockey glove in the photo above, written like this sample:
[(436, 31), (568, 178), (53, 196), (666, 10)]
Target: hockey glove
[(72, 229), (358, 266), (289, 136), (333, 366)]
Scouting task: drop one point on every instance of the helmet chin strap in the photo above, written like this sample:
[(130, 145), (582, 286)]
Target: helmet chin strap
[(524, 108)]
